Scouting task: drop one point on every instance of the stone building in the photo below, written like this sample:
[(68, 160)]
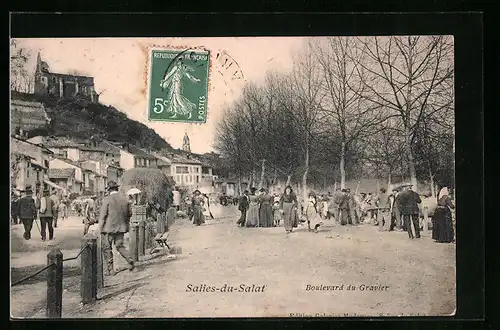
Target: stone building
[(58, 85)]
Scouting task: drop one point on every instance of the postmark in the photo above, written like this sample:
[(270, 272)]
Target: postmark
[(178, 84)]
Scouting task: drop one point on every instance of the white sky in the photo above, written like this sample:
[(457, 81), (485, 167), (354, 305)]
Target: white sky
[(118, 66)]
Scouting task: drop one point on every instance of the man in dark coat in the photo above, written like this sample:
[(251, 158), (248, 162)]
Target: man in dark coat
[(353, 216), (338, 197), (46, 214), (27, 212), (408, 201), (344, 207), (114, 222), (243, 207)]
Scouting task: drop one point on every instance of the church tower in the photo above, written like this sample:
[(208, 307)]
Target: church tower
[(185, 143)]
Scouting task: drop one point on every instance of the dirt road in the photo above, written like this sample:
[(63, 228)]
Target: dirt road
[(301, 274)]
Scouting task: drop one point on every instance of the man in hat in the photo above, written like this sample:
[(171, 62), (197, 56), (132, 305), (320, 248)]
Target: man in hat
[(408, 201), (395, 209), (352, 207), (46, 214), (114, 222), (26, 211)]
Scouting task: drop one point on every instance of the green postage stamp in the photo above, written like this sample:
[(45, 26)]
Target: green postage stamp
[(178, 85)]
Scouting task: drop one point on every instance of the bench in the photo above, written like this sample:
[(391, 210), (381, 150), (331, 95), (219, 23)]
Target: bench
[(161, 239)]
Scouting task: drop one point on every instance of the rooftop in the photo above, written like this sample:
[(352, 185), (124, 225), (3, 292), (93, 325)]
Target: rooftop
[(136, 151), (109, 147), (61, 173), (178, 158)]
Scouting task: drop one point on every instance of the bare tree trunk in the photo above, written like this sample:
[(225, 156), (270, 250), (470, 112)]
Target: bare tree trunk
[(288, 180), (431, 177), (411, 162), (389, 183), (239, 185), (378, 185), (262, 174), (335, 186), (306, 172), (342, 166)]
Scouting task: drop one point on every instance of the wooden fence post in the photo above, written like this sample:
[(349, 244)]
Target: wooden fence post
[(88, 287), (426, 219), (100, 262), (133, 241), (142, 238), (54, 284)]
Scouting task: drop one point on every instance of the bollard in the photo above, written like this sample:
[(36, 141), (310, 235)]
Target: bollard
[(426, 219), (133, 241), (54, 284), (141, 246), (88, 286)]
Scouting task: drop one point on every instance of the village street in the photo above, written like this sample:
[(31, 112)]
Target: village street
[(219, 253)]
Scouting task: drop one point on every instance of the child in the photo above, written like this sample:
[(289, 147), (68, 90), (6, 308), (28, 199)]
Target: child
[(276, 213)]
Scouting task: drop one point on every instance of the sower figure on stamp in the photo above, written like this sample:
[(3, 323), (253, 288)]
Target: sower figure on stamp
[(243, 207), (114, 222), (408, 203)]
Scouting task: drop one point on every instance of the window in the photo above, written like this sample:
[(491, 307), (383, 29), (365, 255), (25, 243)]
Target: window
[(54, 80), (196, 169), (181, 170), (197, 179), (65, 153)]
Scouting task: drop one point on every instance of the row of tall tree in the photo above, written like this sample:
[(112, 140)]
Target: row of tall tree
[(349, 107)]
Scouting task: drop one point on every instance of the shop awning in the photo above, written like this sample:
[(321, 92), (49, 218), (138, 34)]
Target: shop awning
[(53, 185)]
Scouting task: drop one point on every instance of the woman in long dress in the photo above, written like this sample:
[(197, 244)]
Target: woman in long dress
[(253, 209), (175, 102), (288, 207), (442, 221), (197, 203), (266, 209), (312, 215)]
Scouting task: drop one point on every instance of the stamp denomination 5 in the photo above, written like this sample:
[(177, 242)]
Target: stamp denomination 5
[(178, 85)]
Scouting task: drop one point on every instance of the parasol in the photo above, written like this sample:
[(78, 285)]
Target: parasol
[(133, 191)]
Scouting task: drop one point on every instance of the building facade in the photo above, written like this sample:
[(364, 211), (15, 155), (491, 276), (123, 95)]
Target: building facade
[(60, 86), (133, 157), (29, 164), (27, 115)]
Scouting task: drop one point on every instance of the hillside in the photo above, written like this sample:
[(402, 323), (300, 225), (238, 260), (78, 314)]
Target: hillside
[(81, 119)]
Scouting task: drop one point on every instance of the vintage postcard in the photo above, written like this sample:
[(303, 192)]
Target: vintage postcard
[(232, 177)]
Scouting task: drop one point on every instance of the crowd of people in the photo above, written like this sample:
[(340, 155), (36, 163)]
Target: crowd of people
[(399, 210)]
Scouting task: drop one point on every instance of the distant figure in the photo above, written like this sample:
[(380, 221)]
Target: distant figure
[(176, 198), (89, 214), (13, 208), (288, 207), (63, 210), (46, 214), (114, 222), (253, 209), (337, 198), (408, 204), (344, 208), (197, 204), (266, 218), (442, 221), (311, 213), (243, 204), (55, 211), (384, 207), (353, 216), (27, 212), (395, 210)]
